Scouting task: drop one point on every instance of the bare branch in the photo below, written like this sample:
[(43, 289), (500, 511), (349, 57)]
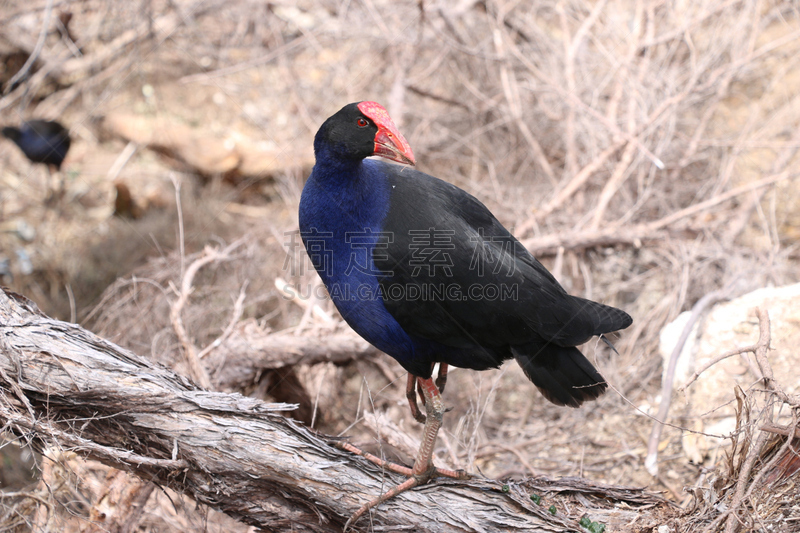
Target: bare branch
[(210, 255), (638, 234), (651, 461), (236, 314)]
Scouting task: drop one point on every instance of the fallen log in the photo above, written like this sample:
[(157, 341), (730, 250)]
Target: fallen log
[(63, 386)]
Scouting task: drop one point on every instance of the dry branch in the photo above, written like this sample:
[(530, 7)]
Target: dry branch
[(249, 351), (78, 67), (210, 255), (36, 49), (64, 386), (735, 500), (651, 461), (647, 232)]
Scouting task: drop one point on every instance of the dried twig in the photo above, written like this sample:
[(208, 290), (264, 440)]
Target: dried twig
[(36, 49), (236, 314), (714, 360), (651, 460), (310, 306), (746, 482), (756, 448), (210, 255), (204, 77), (640, 233), (511, 92), (620, 172)]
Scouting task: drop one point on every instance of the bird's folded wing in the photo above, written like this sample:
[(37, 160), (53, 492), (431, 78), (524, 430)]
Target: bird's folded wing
[(455, 275)]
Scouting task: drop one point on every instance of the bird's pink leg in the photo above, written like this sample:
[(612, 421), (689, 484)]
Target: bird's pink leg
[(51, 191), (61, 188), (388, 465), (423, 469)]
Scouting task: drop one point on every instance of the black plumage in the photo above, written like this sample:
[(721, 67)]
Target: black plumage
[(481, 292), (42, 141)]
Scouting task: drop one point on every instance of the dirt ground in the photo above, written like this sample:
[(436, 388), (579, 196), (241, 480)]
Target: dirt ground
[(656, 142)]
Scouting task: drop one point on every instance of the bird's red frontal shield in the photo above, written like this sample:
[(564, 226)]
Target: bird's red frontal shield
[(389, 143)]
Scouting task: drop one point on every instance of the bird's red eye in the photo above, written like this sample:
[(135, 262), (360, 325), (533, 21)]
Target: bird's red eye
[(362, 122)]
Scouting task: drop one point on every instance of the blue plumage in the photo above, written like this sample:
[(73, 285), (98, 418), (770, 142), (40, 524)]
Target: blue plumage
[(341, 211)]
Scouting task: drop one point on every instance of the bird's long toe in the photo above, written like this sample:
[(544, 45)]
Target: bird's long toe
[(441, 379), (411, 394), (410, 483)]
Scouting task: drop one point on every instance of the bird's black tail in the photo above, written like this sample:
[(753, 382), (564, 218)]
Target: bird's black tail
[(583, 319), (562, 374), (604, 318), (11, 133)]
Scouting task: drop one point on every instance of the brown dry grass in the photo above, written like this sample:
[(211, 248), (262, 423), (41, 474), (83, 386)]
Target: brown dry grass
[(556, 114)]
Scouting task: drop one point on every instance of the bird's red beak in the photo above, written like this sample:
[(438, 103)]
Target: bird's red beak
[(389, 143)]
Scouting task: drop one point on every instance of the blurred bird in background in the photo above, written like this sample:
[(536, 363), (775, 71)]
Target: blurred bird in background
[(43, 141)]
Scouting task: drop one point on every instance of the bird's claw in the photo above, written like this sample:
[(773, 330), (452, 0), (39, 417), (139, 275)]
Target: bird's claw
[(463, 474)]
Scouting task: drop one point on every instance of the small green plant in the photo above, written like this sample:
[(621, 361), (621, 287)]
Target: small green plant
[(593, 527), (597, 527)]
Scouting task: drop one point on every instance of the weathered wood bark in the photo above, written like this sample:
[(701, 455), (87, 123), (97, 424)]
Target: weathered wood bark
[(62, 385)]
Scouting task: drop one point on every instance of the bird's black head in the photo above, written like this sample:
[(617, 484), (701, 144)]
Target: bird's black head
[(360, 130)]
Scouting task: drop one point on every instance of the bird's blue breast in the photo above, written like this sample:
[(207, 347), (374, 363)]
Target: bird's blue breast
[(341, 214), (35, 145)]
